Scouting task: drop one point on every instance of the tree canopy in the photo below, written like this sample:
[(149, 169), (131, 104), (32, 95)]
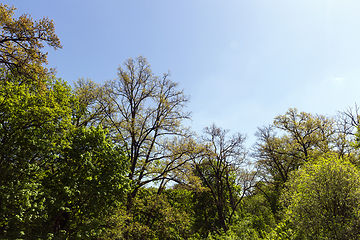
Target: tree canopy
[(114, 160), (21, 41), (322, 199), (58, 180), (144, 113)]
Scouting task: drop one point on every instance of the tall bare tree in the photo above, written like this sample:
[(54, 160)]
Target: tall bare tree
[(144, 112), (221, 168)]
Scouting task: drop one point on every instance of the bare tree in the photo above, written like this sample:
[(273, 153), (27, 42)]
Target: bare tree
[(144, 113), (221, 169), (347, 123), (348, 120)]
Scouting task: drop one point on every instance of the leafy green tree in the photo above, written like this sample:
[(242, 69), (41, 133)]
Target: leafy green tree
[(21, 41), (303, 136), (57, 180), (284, 230), (258, 211), (322, 199), (33, 122), (91, 112), (205, 213), (243, 229), (85, 183), (290, 142), (154, 216)]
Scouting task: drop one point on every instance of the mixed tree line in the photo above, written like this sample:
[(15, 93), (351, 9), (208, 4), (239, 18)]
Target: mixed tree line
[(114, 160)]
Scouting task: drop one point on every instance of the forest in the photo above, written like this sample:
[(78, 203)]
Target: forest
[(115, 161)]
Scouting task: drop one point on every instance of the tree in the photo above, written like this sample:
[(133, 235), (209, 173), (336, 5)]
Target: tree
[(56, 180), (220, 168), (291, 141), (21, 41), (276, 156), (322, 199), (33, 122), (348, 120), (347, 126), (92, 107), (311, 134), (143, 112), (155, 216), (85, 184)]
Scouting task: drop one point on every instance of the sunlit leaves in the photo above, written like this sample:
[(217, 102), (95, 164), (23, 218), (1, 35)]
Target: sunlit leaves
[(33, 122), (56, 178), (323, 197), (21, 41), (294, 138), (156, 216), (87, 181)]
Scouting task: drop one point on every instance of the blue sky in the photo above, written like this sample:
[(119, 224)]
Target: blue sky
[(242, 62)]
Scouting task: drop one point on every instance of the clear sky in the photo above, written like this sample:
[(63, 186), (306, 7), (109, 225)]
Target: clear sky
[(243, 62)]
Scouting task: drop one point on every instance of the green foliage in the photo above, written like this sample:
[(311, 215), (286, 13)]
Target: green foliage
[(322, 199), (68, 159), (292, 140), (33, 122), (85, 183), (254, 221), (283, 231), (303, 136), (262, 217), (220, 168), (205, 213), (143, 113), (242, 229), (21, 41), (57, 180), (154, 216)]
